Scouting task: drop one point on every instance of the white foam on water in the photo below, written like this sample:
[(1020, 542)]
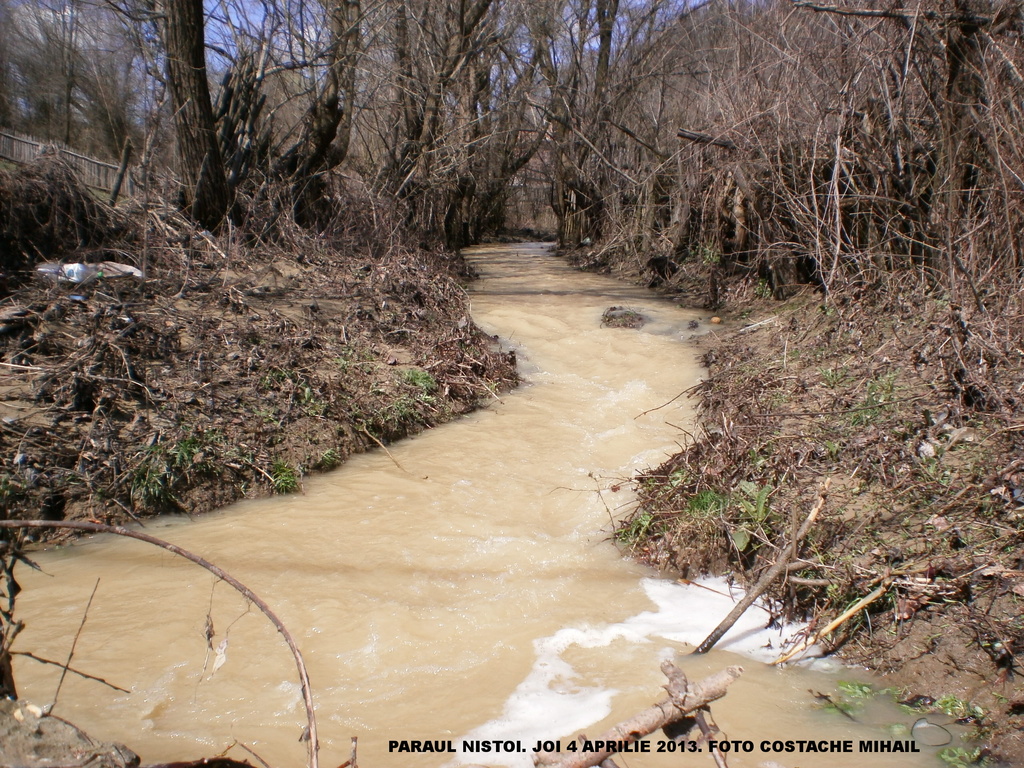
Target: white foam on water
[(549, 702), (687, 613)]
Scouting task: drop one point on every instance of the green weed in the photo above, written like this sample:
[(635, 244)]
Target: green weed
[(855, 690), (958, 708), (352, 358), (932, 469), (329, 459), (833, 377), (958, 757), (753, 501), (877, 399), (194, 453), (277, 376), (639, 527), (707, 503), (418, 377), (399, 411), (407, 407), (284, 478), (758, 459), (708, 254), (311, 404), (268, 416), (152, 480), (678, 477), (163, 466)]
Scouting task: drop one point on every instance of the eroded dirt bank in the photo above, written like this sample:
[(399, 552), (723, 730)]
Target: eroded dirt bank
[(243, 362), (909, 402)]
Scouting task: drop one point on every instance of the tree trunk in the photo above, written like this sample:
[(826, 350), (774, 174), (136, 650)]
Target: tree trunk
[(327, 127), (206, 191)]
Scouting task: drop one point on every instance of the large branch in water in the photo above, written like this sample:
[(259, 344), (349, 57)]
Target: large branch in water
[(683, 699)]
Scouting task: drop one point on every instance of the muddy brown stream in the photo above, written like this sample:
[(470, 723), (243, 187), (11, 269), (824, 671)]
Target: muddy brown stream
[(471, 593)]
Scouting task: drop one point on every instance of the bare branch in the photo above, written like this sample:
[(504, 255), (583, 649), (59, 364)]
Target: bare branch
[(682, 700), (117, 530)]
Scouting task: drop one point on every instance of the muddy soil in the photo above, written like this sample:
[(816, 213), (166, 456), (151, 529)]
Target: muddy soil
[(29, 738), (908, 403)]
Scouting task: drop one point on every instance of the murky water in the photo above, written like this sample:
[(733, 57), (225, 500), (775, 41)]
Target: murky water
[(469, 593)]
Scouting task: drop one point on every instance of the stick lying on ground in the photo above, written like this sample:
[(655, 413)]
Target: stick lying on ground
[(683, 699), (853, 610)]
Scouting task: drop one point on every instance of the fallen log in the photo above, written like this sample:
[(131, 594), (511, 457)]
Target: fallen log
[(683, 699)]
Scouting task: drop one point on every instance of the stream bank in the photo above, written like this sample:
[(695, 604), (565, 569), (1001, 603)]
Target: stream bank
[(909, 402), (244, 362), (239, 368)]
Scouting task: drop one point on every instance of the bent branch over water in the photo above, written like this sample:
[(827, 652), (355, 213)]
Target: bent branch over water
[(307, 695)]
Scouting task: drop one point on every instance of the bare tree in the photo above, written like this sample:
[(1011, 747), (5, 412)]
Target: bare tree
[(206, 192), (327, 125), (454, 117), (6, 84), (433, 51)]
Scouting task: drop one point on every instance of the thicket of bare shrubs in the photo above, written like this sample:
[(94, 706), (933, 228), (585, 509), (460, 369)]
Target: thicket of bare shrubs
[(838, 145)]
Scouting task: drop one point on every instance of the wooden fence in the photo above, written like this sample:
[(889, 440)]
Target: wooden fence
[(94, 173)]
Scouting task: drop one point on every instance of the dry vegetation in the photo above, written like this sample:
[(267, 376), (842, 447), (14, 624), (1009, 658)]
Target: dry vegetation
[(856, 184), (925, 497)]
